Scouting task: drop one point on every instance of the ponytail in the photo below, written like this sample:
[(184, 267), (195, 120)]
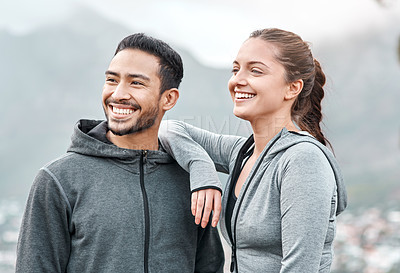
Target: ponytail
[(306, 109)]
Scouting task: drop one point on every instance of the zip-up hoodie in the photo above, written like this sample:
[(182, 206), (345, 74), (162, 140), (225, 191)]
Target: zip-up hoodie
[(284, 219), (101, 208)]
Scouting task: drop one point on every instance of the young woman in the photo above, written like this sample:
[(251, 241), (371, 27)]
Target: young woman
[(285, 188)]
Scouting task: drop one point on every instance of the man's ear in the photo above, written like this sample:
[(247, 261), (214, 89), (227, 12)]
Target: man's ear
[(294, 89), (169, 98)]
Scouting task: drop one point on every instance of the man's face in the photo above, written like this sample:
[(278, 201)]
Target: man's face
[(131, 93)]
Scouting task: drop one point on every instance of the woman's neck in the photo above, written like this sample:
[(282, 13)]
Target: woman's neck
[(265, 129)]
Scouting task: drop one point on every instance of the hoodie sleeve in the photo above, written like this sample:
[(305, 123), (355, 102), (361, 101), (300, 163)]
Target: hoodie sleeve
[(199, 152), (307, 208), (209, 254), (44, 239)]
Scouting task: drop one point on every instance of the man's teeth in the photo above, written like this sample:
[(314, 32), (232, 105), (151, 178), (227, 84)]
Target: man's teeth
[(122, 111), (244, 95)]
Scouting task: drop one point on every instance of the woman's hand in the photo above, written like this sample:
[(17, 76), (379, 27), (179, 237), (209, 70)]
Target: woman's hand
[(208, 199)]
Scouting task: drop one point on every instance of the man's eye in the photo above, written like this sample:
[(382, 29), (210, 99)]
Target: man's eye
[(110, 80), (235, 70), (137, 83)]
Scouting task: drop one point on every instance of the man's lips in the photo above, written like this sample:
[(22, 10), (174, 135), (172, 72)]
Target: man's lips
[(121, 111)]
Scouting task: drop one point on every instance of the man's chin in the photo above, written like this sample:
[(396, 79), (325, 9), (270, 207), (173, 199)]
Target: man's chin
[(123, 128), (118, 129), (119, 133)]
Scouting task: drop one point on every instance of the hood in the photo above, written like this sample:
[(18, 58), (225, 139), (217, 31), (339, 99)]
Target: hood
[(285, 139), (83, 143)]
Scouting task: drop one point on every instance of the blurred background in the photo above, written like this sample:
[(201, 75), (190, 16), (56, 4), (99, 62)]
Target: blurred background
[(53, 55)]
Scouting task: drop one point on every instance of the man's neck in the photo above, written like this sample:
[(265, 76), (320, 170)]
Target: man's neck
[(144, 140)]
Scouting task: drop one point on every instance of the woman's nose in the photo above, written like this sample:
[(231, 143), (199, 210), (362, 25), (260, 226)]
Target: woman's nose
[(240, 78)]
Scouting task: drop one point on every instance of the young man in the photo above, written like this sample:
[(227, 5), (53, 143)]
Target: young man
[(116, 202)]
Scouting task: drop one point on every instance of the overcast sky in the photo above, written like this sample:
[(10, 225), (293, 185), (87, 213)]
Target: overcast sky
[(212, 30)]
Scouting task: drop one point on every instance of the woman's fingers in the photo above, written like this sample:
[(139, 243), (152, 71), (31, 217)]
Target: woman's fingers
[(203, 202), (194, 203), (209, 200), (201, 196), (217, 208)]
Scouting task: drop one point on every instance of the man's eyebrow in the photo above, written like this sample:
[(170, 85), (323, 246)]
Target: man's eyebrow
[(140, 76), (109, 72)]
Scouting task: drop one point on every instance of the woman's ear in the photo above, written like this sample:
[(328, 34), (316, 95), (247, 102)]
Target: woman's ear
[(169, 98), (294, 89)]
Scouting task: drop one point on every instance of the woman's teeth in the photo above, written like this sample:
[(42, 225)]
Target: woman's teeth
[(244, 95)]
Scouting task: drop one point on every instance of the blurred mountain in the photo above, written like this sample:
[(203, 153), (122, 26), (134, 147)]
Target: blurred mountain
[(53, 76), (362, 113)]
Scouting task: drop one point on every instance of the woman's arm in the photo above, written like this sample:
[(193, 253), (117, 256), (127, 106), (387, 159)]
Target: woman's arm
[(307, 188), (195, 148), (200, 153)]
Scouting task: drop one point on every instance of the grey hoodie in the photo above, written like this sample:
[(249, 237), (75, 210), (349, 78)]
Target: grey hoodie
[(284, 219), (101, 208)]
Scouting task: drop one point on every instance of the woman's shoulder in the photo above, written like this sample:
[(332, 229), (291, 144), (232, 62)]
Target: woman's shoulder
[(306, 153), (307, 146)]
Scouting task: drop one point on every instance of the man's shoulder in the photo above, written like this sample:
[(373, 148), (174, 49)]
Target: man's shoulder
[(70, 163), (63, 161)]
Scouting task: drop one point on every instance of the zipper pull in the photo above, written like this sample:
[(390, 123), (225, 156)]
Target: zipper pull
[(144, 153), (233, 259)]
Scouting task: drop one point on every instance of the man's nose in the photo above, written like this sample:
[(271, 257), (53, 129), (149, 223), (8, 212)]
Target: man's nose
[(121, 92)]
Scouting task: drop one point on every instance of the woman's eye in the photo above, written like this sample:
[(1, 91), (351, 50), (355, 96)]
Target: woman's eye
[(235, 70), (256, 71)]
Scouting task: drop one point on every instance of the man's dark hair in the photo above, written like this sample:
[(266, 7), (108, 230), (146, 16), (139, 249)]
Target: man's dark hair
[(171, 66)]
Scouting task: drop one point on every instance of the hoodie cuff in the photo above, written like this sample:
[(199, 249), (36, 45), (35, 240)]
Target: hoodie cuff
[(206, 188)]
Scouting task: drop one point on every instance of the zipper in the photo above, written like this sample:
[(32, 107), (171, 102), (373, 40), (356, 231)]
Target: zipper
[(233, 258), (143, 159), (240, 158)]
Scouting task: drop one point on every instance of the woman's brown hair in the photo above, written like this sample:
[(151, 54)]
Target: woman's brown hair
[(296, 57)]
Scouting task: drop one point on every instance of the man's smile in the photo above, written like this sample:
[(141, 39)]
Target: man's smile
[(122, 111)]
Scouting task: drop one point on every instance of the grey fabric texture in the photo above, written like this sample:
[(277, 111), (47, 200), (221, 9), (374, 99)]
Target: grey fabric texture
[(287, 216), (85, 213)]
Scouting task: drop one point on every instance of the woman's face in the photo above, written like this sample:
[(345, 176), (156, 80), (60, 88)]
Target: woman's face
[(258, 84)]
